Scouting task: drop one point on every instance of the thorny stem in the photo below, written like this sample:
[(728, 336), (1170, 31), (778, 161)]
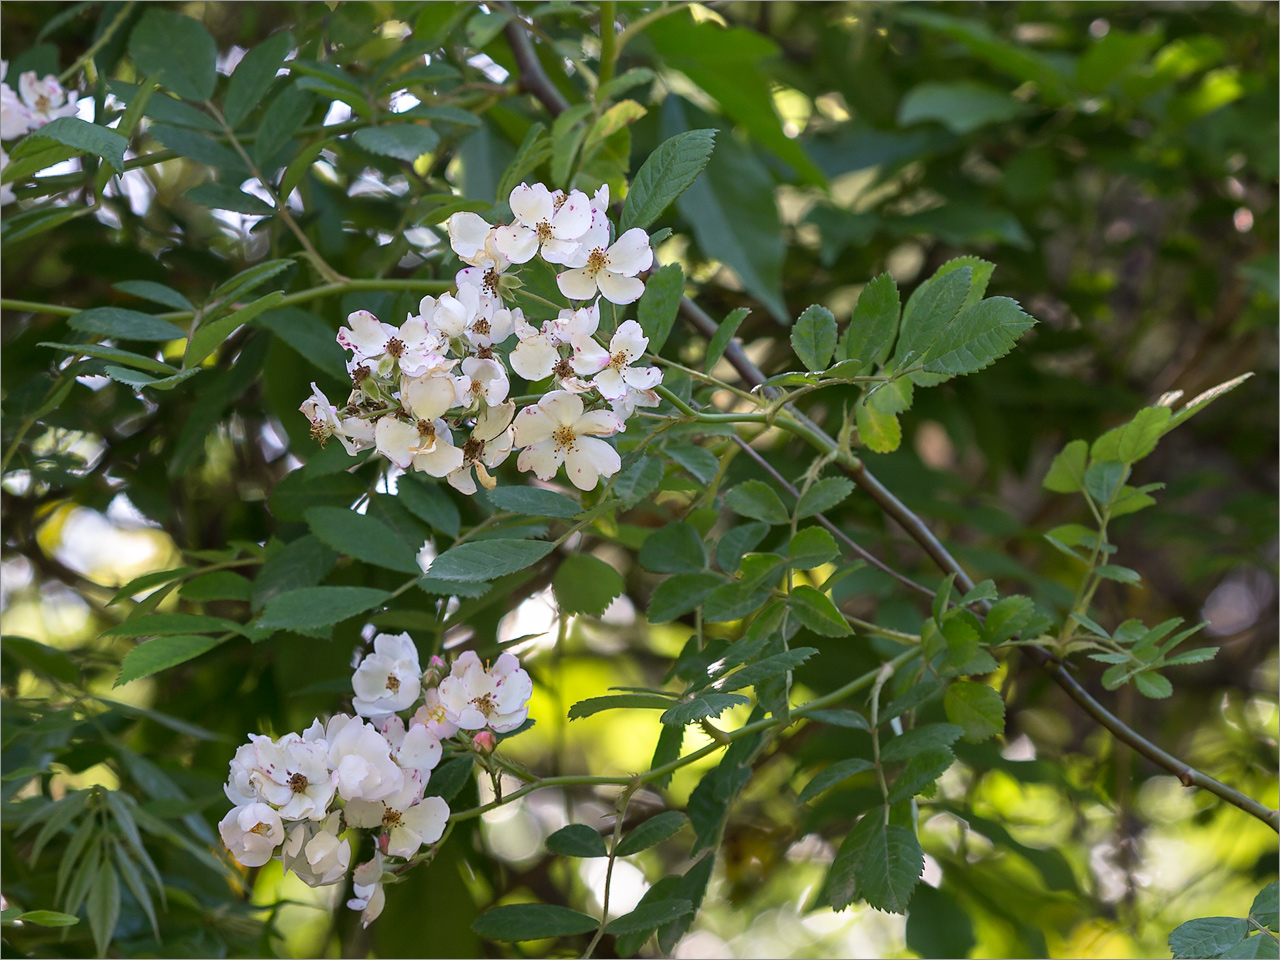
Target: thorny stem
[(624, 799)]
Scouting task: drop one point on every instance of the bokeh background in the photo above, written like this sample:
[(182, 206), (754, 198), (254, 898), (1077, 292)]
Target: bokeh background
[(1117, 161)]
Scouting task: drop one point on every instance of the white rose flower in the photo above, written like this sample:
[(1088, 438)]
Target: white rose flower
[(239, 787), (556, 431), (367, 337), (612, 271), (6, 189), (485, 277), (315, 853), (361, 758), (546, 222), (614, 373), (433, 716), (409, 820), (584, 321), (425, 443), (625, 406), (252, 832), (327, 421), (535, 356), (489, 445), (369, 897), (45, 99), (421, 350), (293, 775), (487, 331), (468, 234), (15, 118), (389, 679), (497, 698), (447, 316), (482, 380)]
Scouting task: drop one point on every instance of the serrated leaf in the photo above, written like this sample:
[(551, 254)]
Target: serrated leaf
[(532, 921), (918, 739), (650, 833), (976, 338), (757, 500), (618, 701), (813, 337), (816, 611), (532, 502), (705, 706), (179, 49), (1153, 685), (822, 496), (1207, 937), (1130, 442), (879, 432), (586, 584), (123, 324), (400, 141), (932, 306), (675, 548), (1266, 907), (835, 774), (254, 75), (428, 502), (724, 335), (577, 840), (850, 719), (920, 771), (681, 594), (659, 304), (649, 916), (487, 559), (976, 708), (154, 292), (887, 862), (766, 669), (639, 480), (79, 135), (161, 654), (1006, 618), (874, 323), (170, 624), (737, 542), (665, 174), (315, 607), (811, 547), (364, 538)]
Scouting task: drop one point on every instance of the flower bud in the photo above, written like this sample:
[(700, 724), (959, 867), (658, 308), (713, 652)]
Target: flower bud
[(509, 282), (485, 742), (436, 671)]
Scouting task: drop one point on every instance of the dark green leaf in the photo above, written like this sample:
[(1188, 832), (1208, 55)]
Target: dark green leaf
[(702, 707), (874, 324), (917, 739), (639, 480), (838, 772), (960, 106), (154, 292), (170, 624), (976, 338), (79, 135), (681, 594), (364, 538), (851, 719), (650, 916), (924, 767), (179, 49), (757, 500), (532, 921), (1006, 618), (823, 495), (586, 584), (664, 176), (675, 548), (724, 334), (1266, 907), (937, 926), (976, 708), (1207, 937), (313, 607), (533, 502), (811, 547), (766, 669), (429, 502), (254, 75), (653, 831), (487, 559), (221, 196), (103, 907), (931, 308), (816, 611), (577, 840), (209, 336), (813, 337), (620, 701), (161, 654), (401, 141), (123, 324), (659, 304)]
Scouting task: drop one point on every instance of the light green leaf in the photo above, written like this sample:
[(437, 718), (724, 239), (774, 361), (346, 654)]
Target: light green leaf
[(664, 176), (487, 559), (813, 337), (1066, 473), (179, 49), (170, 624), (811, 547), (976, 708), (879, 432), (660, 303), (1006, 618), (874, 324), (977, 337), (1134, 440), (932, 306), (1153, 685)]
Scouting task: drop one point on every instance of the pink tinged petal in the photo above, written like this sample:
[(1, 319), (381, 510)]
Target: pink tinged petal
[(562, 407), (642, 378), (589, 460), (577, 284), (631, 253), (506, 722), (630, 338), (395, 439), (533, 358), (427, 819), (428, 397), (559, 251), (517, 242), (531, 204), (420, 750), (440, 462), (531, 426), (619, 289), (543, 459), (573, 219), (588, 356), (601, 423)]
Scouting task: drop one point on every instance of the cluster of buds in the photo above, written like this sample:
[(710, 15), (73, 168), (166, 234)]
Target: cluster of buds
[(34, 104), (297, 797), (445, 372)]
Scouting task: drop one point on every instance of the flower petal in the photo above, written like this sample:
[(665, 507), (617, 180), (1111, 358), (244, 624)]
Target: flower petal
[(631, 253), (577, 284), (589, 460), (619, 289), (516, 242)]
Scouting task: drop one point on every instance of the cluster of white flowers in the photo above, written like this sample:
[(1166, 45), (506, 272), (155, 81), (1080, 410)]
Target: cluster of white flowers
[(445, 369), (35, 103), (296, 796)]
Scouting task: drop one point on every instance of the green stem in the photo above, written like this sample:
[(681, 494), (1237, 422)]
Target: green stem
[(98, 44), (608, 52)]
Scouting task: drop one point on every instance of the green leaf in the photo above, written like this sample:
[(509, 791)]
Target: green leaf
[(532, 502), (221, 196), (44, 918), (1066, 473), (937, 926), (170, 624), (364, 538), (813, 337), (1006, 618), (79, 135), (650, 833), (874, 324), (401, 141), (254, 75), (880, 432), (822, 496), (665, 175), (917, 739), (976, 708), (850, 719), (137, 380), (1112, 571), (961, 106), (1266, 907), (179, 49), (885, 862), (816, 611), (700, 462), (619, 701), (448, 779), (103, 907), (314, 607), (1134, 440), (1153, 685), (487, 559), (1260, 946), (250, 279), (1207, 937), (219, 585), (532, 921), (577, 840), (681, 594), (837, 773), (124, 324), (153, 579), (932, 306), (660, 303), (639, 480), (766, 669), (49, 661), (737, 542), (650, 916), (154, 292), (161, 654), (1104, 480), (724, 334), (114, 354), (427, 501), (811, 547), (282, 119), (733, 601), (675, 548), (586, 584), (209, 336), (757, 500), (920, 772), (977, 337), (701, 707)]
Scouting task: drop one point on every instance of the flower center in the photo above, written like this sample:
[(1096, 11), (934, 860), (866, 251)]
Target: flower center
[(491, 281), (395, 347), (565, 438), (426, 430), (597, 261), (359, 374), (472, 449), (563, 369), (393, 683), (320, 433), (477, 387), (484, 704), (390, 818), (543, 230), (559, 200), (298, 783), (619, 360), (481, 327), (484, 353), (43, 103), (261, 829)]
